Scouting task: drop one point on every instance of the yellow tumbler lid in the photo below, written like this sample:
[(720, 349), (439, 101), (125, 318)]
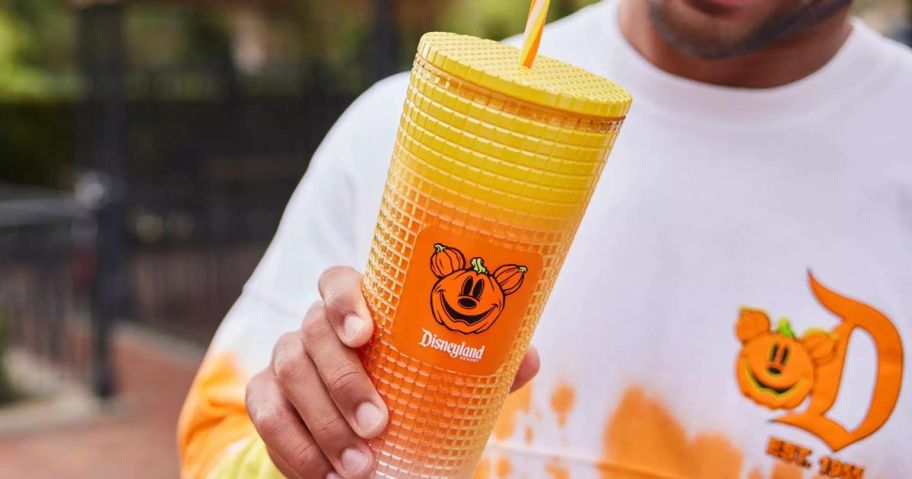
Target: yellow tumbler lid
[(549, 83)]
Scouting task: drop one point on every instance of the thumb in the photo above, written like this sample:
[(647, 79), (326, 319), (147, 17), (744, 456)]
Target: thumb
[(528, 368)]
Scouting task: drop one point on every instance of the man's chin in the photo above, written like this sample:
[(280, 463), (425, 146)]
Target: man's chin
[(718, 29), (709, 29), (722, 8)]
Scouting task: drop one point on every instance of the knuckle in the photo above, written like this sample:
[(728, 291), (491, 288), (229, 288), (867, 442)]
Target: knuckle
[(257, 393), (288, 369), (336, 286), (283, 346), (344, 378), (305, 456), (332, 273), (328, 426), (272, 426), (316, 308), (269, 422), (314, 329), (337, 303)]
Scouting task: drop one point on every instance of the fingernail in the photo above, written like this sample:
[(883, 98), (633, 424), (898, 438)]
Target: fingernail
[(353, 325), (333, 475), (353, 460), (369, 418)]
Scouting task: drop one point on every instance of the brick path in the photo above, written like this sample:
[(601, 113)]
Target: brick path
[(135, 441)]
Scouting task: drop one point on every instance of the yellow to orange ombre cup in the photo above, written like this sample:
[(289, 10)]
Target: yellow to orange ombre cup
[(492, 170)]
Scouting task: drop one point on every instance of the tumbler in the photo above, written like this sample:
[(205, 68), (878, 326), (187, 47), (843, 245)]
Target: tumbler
[(493, 167)]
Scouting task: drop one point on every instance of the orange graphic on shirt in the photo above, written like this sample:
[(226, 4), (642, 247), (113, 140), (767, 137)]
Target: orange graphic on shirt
[(641, 438), (562, 401), (775, 368), (469, 299), (780, 370)]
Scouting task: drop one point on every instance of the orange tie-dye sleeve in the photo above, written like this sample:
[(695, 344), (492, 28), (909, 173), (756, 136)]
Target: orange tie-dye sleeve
[(214, 425)]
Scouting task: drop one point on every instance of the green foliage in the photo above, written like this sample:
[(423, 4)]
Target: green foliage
[(36, 50), (165, 36), (177, 51), (499, 19), (334, 37), (18, 79), (198, 53)]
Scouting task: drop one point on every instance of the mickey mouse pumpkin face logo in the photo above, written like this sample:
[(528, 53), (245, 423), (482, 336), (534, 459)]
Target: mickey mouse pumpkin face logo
[(469, 299), (776, 368)]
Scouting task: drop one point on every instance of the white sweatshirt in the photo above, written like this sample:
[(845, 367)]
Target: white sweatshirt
[(664, 352)]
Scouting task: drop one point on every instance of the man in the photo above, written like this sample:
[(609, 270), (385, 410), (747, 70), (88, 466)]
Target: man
[(734, 305)]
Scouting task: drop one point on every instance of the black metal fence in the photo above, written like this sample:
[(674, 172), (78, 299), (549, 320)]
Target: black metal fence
[(203, 189), (182, 176), (47, 279), (206, 186), (200, 162)]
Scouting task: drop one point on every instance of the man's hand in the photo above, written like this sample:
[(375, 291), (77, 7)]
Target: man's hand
[(314, 406)]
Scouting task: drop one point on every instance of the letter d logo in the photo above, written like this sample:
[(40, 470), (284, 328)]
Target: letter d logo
[(855, 316)]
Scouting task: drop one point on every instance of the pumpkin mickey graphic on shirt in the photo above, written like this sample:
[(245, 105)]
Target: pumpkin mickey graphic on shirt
[(779, 370), (468, 299), (776, 368)]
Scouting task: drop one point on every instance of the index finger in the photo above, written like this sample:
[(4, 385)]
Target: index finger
[(346, 309)]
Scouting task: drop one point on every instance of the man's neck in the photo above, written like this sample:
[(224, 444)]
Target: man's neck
[(774, 65)]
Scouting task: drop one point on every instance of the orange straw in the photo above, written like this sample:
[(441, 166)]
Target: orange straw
[(538, 14)]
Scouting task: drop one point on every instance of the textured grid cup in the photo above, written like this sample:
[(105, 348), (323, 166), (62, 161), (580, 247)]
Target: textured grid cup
[(488, 153)]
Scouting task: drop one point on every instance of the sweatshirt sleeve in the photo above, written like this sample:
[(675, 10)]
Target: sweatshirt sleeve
[(328, 221)]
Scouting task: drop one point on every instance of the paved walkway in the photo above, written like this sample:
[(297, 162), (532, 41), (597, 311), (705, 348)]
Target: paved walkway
[(135, 440)]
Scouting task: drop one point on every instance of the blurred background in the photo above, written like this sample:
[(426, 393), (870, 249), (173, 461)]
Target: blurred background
[(147, 150)]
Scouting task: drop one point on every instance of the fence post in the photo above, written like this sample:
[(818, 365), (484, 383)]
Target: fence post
[(102, 151)]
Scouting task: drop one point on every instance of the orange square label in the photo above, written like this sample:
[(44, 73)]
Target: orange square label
[(463, 301)]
